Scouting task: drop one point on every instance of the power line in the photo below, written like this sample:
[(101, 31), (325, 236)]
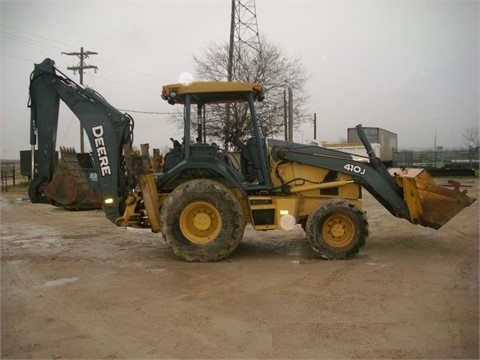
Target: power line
[(15, 34), (36, 36), (147, 112), (128, 85), (43, 42), (28, 41), (100, 59), (17, 57)]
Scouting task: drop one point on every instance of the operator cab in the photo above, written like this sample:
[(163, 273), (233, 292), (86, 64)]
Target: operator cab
[(214, 101)]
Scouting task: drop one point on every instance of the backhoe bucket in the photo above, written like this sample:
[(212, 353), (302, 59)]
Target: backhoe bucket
[(429, 204), (69, 186)]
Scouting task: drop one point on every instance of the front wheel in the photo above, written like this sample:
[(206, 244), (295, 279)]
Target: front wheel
[(202, 220), (337, 229)]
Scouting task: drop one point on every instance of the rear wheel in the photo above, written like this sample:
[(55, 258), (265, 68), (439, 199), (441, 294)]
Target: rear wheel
[(202, 220), (337, 229)]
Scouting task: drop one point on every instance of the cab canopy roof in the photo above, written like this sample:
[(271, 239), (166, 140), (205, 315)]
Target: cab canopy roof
[(211, 92)]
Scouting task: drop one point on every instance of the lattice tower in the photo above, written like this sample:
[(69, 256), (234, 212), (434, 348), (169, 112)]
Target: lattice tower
[(245, 52)]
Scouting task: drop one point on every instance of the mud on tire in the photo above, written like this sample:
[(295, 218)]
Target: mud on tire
[(337, 229), (202, 220)]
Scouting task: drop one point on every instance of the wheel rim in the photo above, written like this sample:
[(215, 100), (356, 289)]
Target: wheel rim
[(200, 222), (338, 230)]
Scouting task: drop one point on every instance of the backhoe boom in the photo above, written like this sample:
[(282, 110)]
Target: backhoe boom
[(108, 130)]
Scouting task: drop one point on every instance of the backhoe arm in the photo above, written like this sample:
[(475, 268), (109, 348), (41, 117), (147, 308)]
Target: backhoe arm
[(108, 130), (44, 107)]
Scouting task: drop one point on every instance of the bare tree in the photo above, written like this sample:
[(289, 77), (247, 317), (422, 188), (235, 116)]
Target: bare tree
[(472, 137), (275, 72)]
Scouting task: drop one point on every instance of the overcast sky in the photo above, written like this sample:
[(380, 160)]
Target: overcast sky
[(410, 67)]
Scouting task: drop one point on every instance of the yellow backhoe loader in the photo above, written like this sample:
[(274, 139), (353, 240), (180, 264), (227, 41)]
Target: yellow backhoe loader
[(204, 196)]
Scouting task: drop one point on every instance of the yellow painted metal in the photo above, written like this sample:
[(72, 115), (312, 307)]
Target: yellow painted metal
[(429, 204), (285, 206), (281, 206), (149, 189), (338, 230), (150, 199), (210, 87), (259, 203), (210, 91), (141, 165), (130, 215), (200, 222), (309, 198), (319, 186)]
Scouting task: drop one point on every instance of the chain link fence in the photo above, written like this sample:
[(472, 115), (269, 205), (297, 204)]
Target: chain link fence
[(467, 158)]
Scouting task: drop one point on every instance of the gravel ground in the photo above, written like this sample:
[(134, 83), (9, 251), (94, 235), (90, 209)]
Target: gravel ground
[(75, 286)]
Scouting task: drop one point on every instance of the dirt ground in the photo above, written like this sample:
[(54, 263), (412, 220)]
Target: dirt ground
[(75, 286)]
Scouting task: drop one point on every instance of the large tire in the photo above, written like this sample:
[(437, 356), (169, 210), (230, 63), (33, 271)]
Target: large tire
[(202, 220), (337, 229)]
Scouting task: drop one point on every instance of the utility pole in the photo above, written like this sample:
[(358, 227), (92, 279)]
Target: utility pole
[(82, 55), (285, 115), (290, 114)]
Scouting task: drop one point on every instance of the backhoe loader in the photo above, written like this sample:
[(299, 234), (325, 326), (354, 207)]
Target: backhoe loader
[(204, 196)]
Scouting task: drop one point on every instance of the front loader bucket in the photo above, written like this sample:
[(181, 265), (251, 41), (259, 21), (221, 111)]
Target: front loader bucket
[(429, 204), (69, 187)]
